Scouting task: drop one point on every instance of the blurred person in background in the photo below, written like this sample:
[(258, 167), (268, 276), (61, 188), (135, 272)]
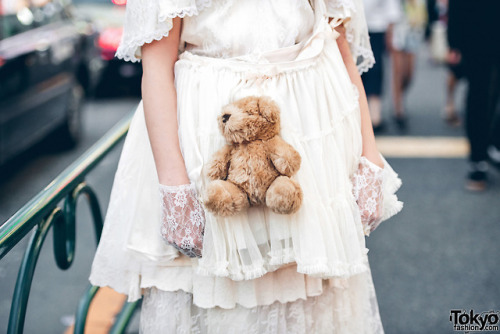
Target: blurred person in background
[(407, 36), (432, 16), (439, 54), (474, 40), (381, 15)]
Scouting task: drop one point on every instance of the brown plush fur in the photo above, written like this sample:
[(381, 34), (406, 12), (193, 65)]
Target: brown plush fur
[(256, 165)]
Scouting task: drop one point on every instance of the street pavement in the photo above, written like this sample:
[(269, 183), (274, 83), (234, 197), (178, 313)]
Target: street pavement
[(440, 253)]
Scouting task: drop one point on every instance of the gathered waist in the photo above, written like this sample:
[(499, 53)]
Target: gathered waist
[(298, 55)]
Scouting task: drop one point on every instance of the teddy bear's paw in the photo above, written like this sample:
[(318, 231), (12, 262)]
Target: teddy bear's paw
[(216, 170), (284, 196), (285, 158), (225, 199), (288, 165)]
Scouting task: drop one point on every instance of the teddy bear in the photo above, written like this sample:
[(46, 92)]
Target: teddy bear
[(255, 166)]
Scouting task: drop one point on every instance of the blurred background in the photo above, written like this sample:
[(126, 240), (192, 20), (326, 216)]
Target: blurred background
[(61, 89)]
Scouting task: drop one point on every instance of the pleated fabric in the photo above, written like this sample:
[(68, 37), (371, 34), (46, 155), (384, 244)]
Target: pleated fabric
[(320, 119), (261, 272)]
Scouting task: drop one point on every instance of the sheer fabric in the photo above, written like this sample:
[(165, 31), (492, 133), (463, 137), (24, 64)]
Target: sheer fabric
[(344, 306), (234, 28), (257, 266), (182, 219), (370, 184), (325, 238), (367, 183), (351, 13)]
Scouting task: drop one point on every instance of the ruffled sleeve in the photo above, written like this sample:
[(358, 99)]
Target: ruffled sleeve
[(391, 183), (351, 13), (149, 20), (374, 189)]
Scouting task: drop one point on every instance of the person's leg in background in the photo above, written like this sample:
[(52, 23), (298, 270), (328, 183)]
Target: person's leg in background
[(494, 148), (408, 70), (373, 81), (432, 16), (403, 68), (482, 73), (450, 114), (397, 58), (403, 59)]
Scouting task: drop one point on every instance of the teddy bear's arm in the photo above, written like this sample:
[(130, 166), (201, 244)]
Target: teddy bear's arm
[(283, 156), (219, 166)]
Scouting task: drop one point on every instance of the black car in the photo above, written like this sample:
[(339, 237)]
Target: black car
[(48, 59), (119, 76)]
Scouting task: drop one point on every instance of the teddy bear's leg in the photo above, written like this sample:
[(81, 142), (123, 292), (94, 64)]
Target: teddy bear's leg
[(284, 195), (225, 198)]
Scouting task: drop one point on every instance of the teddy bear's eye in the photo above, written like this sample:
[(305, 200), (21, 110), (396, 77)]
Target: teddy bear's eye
[(225, 117)]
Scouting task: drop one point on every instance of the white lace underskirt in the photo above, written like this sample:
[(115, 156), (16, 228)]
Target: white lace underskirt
[(344, 306), (320, 119)]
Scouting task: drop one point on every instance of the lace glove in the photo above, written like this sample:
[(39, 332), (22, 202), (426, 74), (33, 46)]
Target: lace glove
[(182, 219), (368, 192)]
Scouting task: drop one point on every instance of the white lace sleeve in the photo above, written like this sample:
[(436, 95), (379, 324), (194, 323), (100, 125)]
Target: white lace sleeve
[(352, 14), (148, 20)]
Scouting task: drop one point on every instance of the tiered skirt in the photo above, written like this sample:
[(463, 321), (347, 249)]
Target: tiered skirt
[(309, 268)]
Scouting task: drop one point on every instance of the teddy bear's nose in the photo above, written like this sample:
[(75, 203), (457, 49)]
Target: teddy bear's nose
[(225, 117)]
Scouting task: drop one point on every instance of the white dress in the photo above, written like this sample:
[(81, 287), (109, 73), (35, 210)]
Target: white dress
[(260, 272)]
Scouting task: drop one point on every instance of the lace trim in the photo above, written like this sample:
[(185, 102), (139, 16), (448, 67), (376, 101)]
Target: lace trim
[(362, 55), (323, 269), (182, 218), (186, 11), (392, 183), (362, 52), (356, 31), (340, 4), (374, 189), (337, 306), (128, 51), (177, 189)]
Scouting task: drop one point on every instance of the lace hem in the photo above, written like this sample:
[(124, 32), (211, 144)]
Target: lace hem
[(391, 184), (191, 10), (337, 306), (390, 205), (147, 21), (317, 269), (351, 13), (128, 51), (363, 55)]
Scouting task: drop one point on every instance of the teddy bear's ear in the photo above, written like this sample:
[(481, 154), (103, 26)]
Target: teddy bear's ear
[(268, 109)]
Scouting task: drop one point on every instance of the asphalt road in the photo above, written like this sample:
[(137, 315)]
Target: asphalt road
[(440, 253)]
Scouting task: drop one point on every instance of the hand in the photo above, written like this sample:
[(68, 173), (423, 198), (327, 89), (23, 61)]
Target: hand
[(367, 189), (182, 219), (454, 57)]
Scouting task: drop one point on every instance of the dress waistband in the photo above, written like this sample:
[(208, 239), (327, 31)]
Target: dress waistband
[(303, 52)]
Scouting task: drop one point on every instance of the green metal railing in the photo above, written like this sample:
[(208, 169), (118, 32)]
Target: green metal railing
[(43, 212)]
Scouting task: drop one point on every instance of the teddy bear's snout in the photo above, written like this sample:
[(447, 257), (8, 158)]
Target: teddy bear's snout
[(225, 117)]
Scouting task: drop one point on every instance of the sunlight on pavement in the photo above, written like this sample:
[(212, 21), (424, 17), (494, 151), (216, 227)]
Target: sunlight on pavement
[(423, 147)]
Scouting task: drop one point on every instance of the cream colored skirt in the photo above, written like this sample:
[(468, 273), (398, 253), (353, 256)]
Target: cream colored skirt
[(258, 264)]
